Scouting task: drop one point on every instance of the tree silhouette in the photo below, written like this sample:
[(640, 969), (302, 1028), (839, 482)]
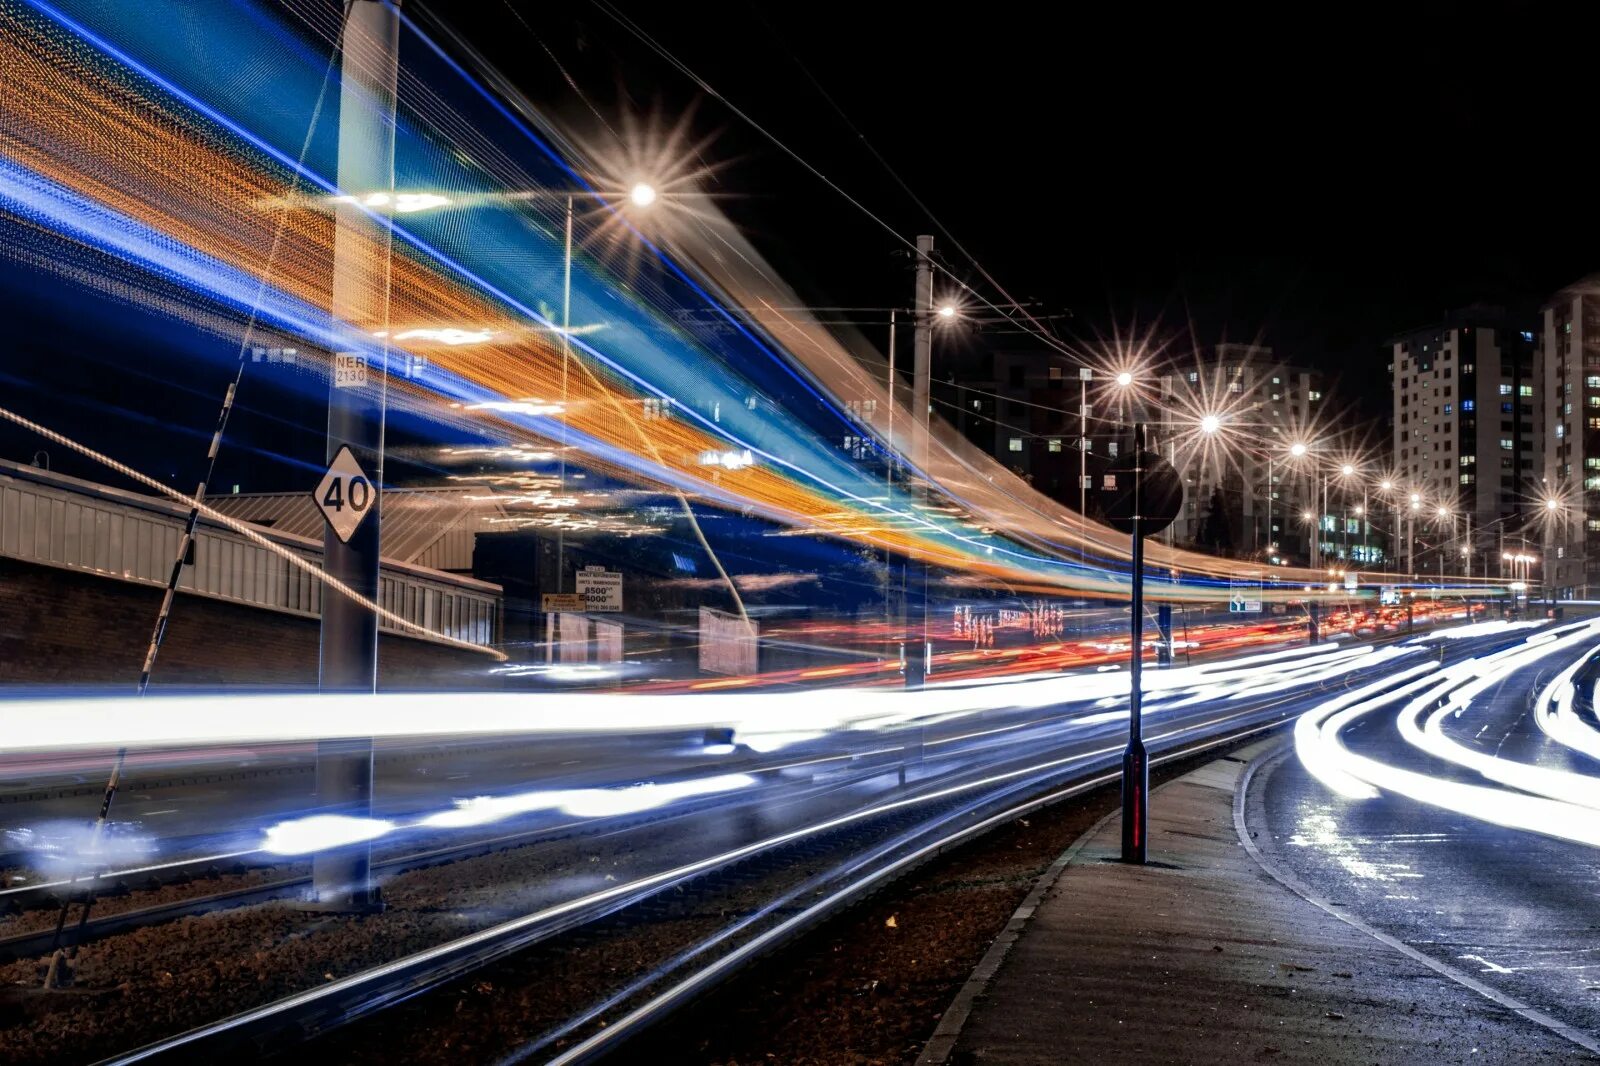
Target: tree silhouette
[(1216, 534)]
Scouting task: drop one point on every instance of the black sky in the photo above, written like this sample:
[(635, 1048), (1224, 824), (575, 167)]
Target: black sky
[(1318, 180)]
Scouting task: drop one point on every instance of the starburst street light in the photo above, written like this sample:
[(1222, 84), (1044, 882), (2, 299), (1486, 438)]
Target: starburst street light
[(947, 311), (1210, 424), (1299, 449), (643, 194), (1125, 378)]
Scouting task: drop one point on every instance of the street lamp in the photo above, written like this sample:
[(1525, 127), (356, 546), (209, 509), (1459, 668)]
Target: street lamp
[(1297, 450), (642, 195), (1346, 471)]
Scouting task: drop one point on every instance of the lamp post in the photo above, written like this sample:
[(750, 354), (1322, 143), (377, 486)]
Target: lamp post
[(642, 195), (1411, 535), (1142, 496), (1297, 450)]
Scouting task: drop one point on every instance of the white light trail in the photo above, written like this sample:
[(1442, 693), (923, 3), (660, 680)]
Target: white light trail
[(1562, 803)]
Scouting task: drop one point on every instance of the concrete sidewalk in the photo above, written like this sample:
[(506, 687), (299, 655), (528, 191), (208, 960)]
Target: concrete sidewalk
[(1203, 957)]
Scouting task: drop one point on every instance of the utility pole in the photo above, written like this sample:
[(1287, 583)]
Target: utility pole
[(1085, 375), (369, 70), (921, 400)]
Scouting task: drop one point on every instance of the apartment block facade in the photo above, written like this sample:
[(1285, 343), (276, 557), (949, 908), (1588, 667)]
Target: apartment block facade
[(1568, 360), (1466, 417)]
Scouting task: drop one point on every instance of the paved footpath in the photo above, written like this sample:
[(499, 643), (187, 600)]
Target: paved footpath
[(1203, 957)]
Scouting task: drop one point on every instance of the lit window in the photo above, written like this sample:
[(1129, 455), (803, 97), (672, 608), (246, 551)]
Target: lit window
[(1505, 390), (1235, 386), (1448, 408), (1015, 444), (1469, 405), (1194, 376), (1594, 401), (1592, 463), (1466, 368), (1468, 460), (1505, 445), (1467, 479), (1111, 449), (1055, 444), (1561, 431), (1592, 381), (1313, 396), (1525, 390)]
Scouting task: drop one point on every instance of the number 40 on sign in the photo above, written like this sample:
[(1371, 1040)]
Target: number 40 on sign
[(345, 495)]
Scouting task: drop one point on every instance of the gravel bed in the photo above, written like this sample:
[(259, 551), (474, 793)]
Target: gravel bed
[(149, 983), (867, 987), (107, 904)]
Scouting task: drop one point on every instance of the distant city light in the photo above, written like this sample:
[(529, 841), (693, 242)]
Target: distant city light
[(518, 407), (728, 460), (402, 203), (448, 335)]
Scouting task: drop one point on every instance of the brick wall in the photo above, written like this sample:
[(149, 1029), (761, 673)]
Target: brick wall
[(64, 628)]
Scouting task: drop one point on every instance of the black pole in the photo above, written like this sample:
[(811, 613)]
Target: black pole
[(342, 878), (1135, 761)]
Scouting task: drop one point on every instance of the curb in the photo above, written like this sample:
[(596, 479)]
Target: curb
[(1268, 761), (942, 1043)]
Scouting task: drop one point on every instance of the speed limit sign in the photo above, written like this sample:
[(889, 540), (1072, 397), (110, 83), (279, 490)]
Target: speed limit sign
[(345, 495)]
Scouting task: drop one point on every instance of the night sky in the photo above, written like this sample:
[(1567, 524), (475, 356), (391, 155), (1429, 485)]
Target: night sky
[(1315, 186)]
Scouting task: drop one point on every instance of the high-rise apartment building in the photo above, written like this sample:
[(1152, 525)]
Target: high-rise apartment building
[(1568, 360), (1466, 439)]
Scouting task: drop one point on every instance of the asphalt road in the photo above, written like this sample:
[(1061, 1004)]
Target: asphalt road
[(1518, 911)]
